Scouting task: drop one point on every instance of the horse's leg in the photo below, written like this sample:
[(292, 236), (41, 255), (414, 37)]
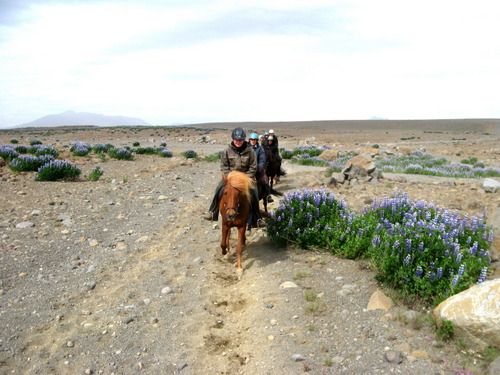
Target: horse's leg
[(224, 241), (240, 246)]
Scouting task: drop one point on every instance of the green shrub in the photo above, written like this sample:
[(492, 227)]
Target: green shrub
[(314, 162), (95, 174), (163, 144), (445, 331), (470, 160), (14, 141), (190, 154), (215, 157), (35, 142), (136, 144), (146, 150), (58, 170), (120, 154)]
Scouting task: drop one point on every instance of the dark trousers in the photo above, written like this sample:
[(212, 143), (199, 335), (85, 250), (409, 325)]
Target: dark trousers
[(254, 204)]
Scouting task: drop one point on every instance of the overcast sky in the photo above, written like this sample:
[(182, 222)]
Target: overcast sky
[(182, 61)]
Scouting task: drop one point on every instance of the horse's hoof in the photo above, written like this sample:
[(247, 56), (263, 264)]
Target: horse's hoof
[(224, 251), (239, 272)]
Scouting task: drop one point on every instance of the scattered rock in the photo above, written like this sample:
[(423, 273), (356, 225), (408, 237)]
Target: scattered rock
[(25, 224), (379, 301), (490, 185), (298, 357), (393, 356), (167, 290), (288, 285)]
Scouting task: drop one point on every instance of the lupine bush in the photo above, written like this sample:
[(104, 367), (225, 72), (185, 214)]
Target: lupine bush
[(190, 154), (146, 150), (7, 152), (427, 251), (165, 152), (310, 151), (29, 163), (58, 170), (309, 218), (35, 142), (424, 251), (39, 150), (80, 148), (120, 153), (100, 148), (22, 149), (425, 164)]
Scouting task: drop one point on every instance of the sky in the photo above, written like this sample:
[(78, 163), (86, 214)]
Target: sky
[(183, 61)]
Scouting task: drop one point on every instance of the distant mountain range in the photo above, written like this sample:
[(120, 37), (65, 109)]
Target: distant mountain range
[(72, 118)]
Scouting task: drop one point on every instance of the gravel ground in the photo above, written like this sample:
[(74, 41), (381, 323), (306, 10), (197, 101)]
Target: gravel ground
[(122, 276)]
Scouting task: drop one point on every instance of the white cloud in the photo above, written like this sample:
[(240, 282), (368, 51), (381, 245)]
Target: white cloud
[(226, 60)]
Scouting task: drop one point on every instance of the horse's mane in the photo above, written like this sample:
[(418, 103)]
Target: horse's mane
[(241, 182)]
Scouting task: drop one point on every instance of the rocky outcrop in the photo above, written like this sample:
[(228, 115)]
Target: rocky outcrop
[(475, 313), (329, 155), (360, 167)]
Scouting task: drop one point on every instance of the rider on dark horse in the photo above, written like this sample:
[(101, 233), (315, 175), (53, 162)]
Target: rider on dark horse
[(271, 146), (238, 156), (260, 154)]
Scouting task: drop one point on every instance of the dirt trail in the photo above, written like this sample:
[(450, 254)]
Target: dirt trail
[(177, 307)]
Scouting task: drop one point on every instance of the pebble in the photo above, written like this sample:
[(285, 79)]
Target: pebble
[(93, 242), (393, 356), (70, 344), (166, 290), (25, 224), (298, 357), (288, 285)]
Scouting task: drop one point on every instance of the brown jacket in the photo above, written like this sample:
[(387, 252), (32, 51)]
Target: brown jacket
[(234, 160)]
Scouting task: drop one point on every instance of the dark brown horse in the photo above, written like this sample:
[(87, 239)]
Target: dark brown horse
[(234, 207), (273, 167)]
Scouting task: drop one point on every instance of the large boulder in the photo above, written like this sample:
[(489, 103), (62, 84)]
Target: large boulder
[(475, 313), (359, 167), (329, 155)]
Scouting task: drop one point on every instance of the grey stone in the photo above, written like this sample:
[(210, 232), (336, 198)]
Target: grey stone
[(393, 356), (25, 224), (298, 357)]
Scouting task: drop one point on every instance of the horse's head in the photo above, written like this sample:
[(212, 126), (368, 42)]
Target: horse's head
[(236, 186), (231, 199)]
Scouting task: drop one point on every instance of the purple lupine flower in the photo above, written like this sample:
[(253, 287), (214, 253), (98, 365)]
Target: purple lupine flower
[(419, 271), (455, 279), (482, 275), (461, 269), (473, 249), (395, 245), (459, 257), (439, 272), (376, 240), (421, 247), (407, 260), (408, 244)]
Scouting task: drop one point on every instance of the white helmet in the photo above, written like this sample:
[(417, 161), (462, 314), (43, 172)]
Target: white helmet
[(271, 131)]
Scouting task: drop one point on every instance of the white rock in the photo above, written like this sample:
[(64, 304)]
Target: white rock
[(475, 312), (25, 224), (490, 185), (166, 290), (288, 285)]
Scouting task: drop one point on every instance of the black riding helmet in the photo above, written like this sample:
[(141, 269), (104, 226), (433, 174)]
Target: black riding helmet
[(238, 134)]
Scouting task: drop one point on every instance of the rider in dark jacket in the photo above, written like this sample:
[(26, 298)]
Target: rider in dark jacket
[(238, 156)]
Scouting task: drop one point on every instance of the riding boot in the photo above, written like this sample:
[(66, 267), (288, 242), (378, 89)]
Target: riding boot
[(213, 211)]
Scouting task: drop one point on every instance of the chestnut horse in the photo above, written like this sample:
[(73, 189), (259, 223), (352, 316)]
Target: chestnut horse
[(234, 207)]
